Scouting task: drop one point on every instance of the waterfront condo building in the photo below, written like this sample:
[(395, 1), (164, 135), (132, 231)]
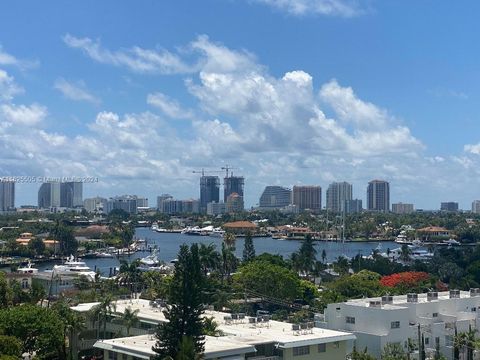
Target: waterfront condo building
[(308, 198), (401, 208), (378, 196), (128, 203), (449, 206), (7, 196), (275, 197), (376, 322), (209, 191), (337, 194)]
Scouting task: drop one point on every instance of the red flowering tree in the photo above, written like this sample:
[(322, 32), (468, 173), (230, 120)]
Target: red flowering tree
[(405, 281)]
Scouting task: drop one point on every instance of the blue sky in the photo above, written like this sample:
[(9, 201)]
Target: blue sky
[(140, 93)]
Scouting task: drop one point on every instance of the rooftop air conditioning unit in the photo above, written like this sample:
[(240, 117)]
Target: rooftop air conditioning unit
[(474, 292), (454, 294), (387, 299), (412, 298), (432, 295), (375, 303)]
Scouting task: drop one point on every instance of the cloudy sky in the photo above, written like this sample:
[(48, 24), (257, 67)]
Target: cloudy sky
[(141, 93)]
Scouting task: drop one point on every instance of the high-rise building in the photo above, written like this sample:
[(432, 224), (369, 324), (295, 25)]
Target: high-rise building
[(161, 199), (275, 197), (49, 195), (450, 206), (401, 208), (308, 198), (378, 196), (476, 206), (71, 194), (190, 206), (233, 184), (353, 206), (337, 194), (216, 208), (7, 195), (129, 203), (209, 191), (96, 204), (234, 203)]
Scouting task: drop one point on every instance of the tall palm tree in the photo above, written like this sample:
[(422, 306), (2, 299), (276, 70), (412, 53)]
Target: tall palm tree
[(209, 257), (466, 342), (130, 318), (100, 313)]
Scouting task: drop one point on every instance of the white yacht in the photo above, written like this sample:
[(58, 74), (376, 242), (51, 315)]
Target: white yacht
[(150, 260), (217, 232), (73, 267), (28, 269)]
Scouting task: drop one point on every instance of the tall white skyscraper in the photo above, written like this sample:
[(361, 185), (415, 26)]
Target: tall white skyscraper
[(476, 206), (337, 194)]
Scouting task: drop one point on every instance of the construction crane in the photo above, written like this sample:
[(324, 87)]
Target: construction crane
[(226, 168), (203, 171)]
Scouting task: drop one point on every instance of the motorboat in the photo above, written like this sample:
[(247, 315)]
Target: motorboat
[(28, 269), (103, 255), (217, 232), (451, 242), (415, 253), (151, 260), (73, 267)]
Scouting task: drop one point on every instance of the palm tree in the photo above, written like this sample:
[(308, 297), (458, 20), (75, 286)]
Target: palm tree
[(466, 342), (100, 313), (209, 257), (229, 239), (130, 275), (405, 254), (229, 261), (130, 318), (324, 255)]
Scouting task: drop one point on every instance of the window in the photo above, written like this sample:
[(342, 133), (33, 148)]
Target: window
[(350, 320), (336, 344), (474, 309), (427, 341), (448, 340), (435, 315), (112, 355), (322, 348), (437, 340), (395, 324), (301, 350)]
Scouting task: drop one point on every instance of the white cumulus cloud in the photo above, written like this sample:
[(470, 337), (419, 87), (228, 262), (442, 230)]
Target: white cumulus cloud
[(75, 91), (342, 8), (168, 106)]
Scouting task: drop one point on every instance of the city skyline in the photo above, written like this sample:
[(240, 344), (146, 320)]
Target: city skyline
[(289, 93)]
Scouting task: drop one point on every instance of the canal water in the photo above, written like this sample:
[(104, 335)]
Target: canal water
[(169, 243)]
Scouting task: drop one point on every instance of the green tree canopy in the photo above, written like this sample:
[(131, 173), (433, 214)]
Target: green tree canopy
[(39, 329), (268, 279)]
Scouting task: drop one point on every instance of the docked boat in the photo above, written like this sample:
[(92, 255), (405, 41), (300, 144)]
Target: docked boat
[(28, 269), (72, 267), (151, 260), (451, 242), (217, 232)]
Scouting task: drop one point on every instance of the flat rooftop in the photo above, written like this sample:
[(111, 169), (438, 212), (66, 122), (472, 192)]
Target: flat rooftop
[(141, 346), (400, 301), (277, 332)]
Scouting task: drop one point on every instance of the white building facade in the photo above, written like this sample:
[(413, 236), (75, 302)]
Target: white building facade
[(377, 322)]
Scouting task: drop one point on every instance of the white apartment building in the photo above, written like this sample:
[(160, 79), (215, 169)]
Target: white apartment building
[(377, 322), (256, 338)]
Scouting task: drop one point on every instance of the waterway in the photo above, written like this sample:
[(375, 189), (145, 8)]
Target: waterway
[(169, 243)]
